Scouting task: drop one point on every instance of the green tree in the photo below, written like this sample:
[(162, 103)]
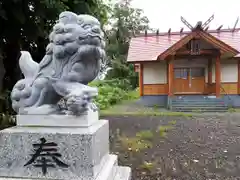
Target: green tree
[(126, 22), (25, 25)]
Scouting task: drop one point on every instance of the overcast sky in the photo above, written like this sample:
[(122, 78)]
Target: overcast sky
[(166, 14)]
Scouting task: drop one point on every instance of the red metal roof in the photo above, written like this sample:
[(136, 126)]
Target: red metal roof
[(148, 48)]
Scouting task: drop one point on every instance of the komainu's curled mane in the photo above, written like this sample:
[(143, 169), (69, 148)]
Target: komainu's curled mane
[(72, 60)]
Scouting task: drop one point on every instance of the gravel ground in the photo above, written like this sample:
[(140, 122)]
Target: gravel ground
[(200, 148)]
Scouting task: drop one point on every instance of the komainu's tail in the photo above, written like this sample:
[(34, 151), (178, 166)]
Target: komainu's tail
[(27, 65)]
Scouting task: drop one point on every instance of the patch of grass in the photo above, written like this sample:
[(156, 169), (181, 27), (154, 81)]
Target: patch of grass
[(162, 130), (231, 110), (143, 113), (145, 135), (133, 95), (148, 165), (173, 122), (156, 107), (134, 144)]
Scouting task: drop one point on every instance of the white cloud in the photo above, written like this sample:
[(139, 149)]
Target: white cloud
[(166, 14)]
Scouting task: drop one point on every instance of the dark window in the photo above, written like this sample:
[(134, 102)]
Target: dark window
[(181, 73), (197, 72)]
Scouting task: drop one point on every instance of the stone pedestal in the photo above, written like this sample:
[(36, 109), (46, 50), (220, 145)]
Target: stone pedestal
[(49, 149)]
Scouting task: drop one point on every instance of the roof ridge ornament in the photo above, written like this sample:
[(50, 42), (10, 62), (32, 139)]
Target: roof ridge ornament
[(208, 21), (145, 32), (181, 30), (199, 24), (235, 25), (186, 23), (219, 28)]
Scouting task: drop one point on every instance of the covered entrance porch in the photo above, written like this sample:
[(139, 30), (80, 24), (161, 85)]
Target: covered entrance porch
[(194, 77)]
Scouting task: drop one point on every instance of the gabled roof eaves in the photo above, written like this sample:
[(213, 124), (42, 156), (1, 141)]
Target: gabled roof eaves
[(146, 48)]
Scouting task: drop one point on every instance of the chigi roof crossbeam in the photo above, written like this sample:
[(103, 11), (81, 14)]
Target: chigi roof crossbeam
[(199, 24)]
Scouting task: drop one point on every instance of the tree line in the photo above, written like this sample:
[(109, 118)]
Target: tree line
[(25, 25)]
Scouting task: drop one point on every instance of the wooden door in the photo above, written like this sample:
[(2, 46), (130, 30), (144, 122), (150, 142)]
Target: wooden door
[(181, 83), (189, 80), (197, 80)]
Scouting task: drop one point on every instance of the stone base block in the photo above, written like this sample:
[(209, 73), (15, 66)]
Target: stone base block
[(123, 173), (110, 171), (54, 152), (86, 120)]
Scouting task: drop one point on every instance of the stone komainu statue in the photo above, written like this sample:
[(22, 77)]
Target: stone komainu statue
[(72, 60)]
